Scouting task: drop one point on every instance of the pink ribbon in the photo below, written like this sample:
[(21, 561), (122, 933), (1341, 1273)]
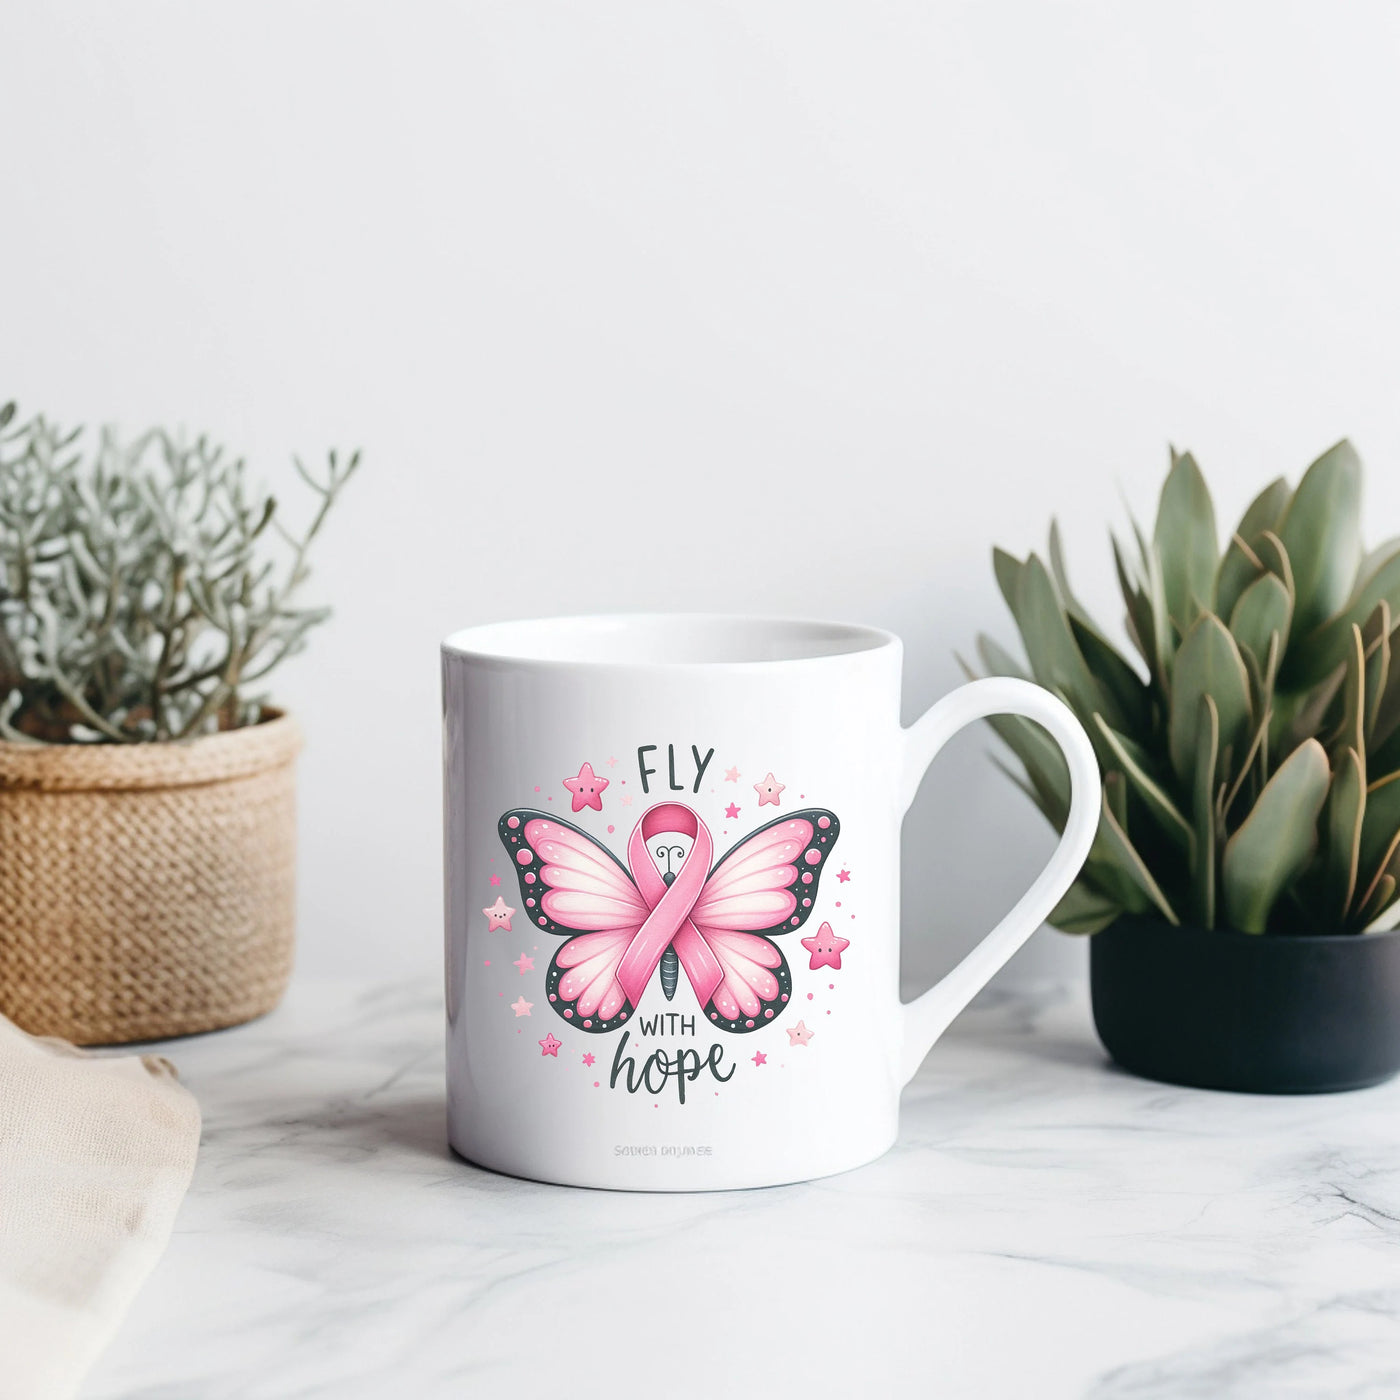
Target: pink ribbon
[(668, 924)]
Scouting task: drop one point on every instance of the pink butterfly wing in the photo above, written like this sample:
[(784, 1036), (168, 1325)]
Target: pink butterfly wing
[(575, 887), (765, 886)]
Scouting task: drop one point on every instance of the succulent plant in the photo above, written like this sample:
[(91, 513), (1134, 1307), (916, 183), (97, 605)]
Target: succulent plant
[(143, 595), (1251, 762)]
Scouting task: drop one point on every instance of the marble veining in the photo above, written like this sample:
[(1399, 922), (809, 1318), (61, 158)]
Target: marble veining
[(1045, 1226)]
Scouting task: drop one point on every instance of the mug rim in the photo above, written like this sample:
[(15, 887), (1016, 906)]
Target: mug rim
[(634, 641)]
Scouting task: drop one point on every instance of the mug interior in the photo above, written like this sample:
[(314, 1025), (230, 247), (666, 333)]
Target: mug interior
[(660, 639)]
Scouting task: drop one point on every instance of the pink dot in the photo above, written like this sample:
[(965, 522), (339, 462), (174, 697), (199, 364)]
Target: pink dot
[(487, 963), (568, 1013), (806, 903), (529, 903), (537, 787), (806, 877), (809, 996), (813, 856), (823, 822), (831, 986), (587, 1024), (767, 1015), (796, 920), (838, 903), (749, 1024), (714, 1015), (524, 855), (828, 1011), (611, 829), (595, 1083), (543, 921), (515, 821), (784, 996), (552, 997), (529, 877)]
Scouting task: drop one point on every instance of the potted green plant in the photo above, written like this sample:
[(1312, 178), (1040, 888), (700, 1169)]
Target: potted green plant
[(147, 798), (1242, 889)]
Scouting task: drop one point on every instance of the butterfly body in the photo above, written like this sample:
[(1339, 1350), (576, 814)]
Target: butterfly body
[(623, 925)]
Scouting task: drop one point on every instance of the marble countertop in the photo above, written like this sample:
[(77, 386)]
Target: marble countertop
[(1046, 1226)]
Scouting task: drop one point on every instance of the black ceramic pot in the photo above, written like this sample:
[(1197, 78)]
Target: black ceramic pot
[(1262, 1014)]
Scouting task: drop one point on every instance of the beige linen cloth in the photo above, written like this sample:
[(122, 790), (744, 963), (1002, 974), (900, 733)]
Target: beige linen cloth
[(96, 1154)]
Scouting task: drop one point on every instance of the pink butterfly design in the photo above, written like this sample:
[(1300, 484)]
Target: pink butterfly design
[(621, 925)]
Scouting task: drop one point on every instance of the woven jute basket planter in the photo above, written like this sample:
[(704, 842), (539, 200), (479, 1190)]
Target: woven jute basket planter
[(147, 890)]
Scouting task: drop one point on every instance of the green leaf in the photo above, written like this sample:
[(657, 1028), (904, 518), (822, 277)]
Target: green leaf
[(1327, 646), (1380, 828), (1300, 713), (1107, 665), (1387, 722), (1163, 638), (1115, 791), (1114, 674), (1377, 636), (1113, 847), (1264, 609), (1140, 623), (1041, 757), (1203, 812), (1186, 541), (1059, 571), (1351, 730), (1025, 786), (1374, 906), (1084, 910), (1321, 530), (1346, 803), (1208, 664), (1055, 659), (1277, 840), (1008, 570), (1154, 797), (1239, 568), (997, 659)]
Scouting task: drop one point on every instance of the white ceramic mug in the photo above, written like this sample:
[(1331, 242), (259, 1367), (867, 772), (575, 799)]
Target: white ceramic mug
[(672, 889)]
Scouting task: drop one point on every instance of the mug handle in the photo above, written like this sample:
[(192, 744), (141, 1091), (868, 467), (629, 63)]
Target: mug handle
[(928, 1016)]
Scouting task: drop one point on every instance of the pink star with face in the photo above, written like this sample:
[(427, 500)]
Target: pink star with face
[(826, 948), (731, 775), (521, 1007), (731, 811), (527, 964), (588, 1059), (759, 1058), (549, 1045), (769, 790), (587, 788), (499, 913), (799, 1034)]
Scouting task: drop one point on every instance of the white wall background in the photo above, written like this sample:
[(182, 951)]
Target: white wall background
[(885, 282)]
